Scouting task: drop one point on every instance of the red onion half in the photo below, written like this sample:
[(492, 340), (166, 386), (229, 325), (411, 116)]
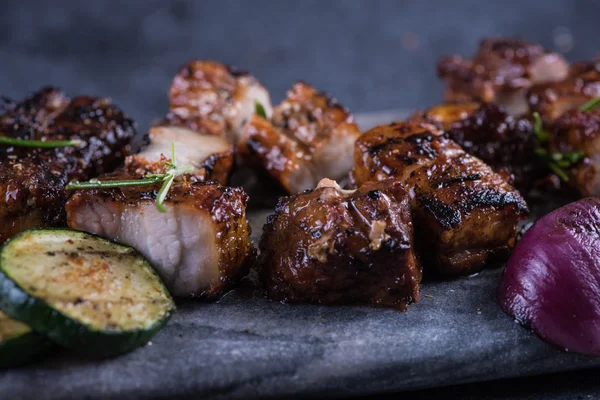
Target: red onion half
[(552, 280)]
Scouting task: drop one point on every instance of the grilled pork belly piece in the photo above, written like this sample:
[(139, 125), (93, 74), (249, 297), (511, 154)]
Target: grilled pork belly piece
[(211, 156), (579, 132), (504, 142), (465, 214), (214, 99), (32, 180), (500, 72), (309, 137), (200, 246), (333, 246), (582, 84)]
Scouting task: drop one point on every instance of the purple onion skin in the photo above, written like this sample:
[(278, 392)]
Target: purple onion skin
[(552, 280)]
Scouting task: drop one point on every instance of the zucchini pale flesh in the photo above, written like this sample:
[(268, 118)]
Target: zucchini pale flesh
[(84, 292), (18, 343)]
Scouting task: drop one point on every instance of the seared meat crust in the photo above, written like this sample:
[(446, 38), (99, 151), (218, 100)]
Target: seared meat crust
[(330, 246), (32, 180), (505, 143), (582, 84), (309, 137), (465, 214), (214, 99), (500, 72)]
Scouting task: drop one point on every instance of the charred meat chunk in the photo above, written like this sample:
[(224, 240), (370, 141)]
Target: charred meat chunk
[(582, 84), (214, 99), (465, 214), (505, 143), (332, 246), (200, 246), (500, 72), (32, 180), (309, 137)]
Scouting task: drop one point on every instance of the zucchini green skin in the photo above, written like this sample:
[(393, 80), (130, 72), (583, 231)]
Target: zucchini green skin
[(22, 349), (64, 330)]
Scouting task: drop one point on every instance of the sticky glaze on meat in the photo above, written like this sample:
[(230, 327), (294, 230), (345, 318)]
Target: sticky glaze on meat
[(200, 246), (309, 137), (331, 246), (214, 99), (465, 214), (32, 181), (500, 72), (504, 142), (582, 84)]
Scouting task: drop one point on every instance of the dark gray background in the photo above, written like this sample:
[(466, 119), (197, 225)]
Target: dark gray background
[(371, 55)]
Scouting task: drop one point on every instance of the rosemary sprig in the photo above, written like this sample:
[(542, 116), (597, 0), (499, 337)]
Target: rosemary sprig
[(42, 144), (590, 105), (166, 179), (557, 162), (259, 109), (538, 129)]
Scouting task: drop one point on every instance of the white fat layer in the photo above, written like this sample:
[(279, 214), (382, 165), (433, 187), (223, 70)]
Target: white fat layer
[(180, 243), (241, 110), (377, 235), (329, 183), (191, 147), (549, 68)]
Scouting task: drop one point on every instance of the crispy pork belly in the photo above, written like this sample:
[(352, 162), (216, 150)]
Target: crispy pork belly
[(211, 156), (465, 214), (199, 246), (582, 84), (309, 137), (504, 142), (500, 72), (579, 132), (333, 246), (32, 181), (213, 98)]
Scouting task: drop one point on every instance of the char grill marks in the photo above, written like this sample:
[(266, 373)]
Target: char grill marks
[(504, 142), (581, 85), (500, 72), (331, 246), (465, 214), (309, 137), (200, 246), (32, 181)]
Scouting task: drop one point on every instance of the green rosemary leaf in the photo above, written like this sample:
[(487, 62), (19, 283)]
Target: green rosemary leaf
[(97, 184), (42, 144), (590, 105), (259, 109)]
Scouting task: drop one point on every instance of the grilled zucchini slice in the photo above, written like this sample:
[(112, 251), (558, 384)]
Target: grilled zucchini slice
[(18, 343), (83, 292)]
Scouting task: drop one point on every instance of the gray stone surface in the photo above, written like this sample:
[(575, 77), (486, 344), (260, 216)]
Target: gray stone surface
[(242, 348), (246, 347)]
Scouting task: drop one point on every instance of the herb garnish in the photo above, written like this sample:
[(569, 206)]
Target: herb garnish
[(166, 179), (557, 162), (590, 105), (259, 109), (43, 144)]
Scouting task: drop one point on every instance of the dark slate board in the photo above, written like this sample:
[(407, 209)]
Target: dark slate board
[(247, 347)]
